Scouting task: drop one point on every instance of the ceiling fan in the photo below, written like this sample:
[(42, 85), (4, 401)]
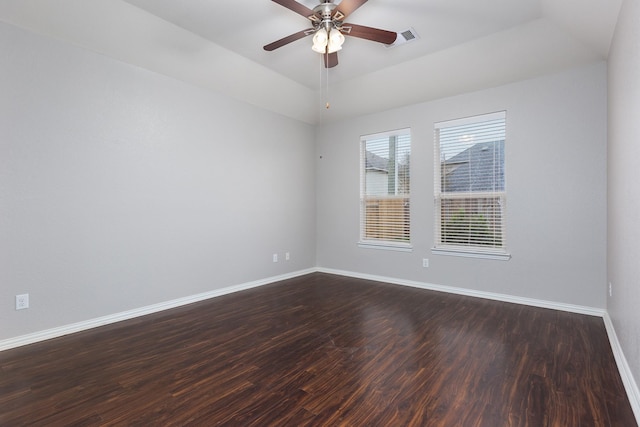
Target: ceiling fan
[(328, 28)]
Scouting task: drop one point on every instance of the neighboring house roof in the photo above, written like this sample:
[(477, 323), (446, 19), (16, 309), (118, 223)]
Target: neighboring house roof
[(474, 169), (375, 162)]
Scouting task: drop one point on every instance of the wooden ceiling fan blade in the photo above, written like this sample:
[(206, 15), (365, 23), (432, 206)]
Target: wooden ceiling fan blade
[(286, 40), (296, 7), (369, 33), (330, 60), (346, 7)]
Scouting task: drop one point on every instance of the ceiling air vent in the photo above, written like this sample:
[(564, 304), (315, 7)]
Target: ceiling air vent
[(405, 36)]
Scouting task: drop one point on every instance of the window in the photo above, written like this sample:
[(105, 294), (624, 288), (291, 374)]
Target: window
[(470, 191), (384, 189)]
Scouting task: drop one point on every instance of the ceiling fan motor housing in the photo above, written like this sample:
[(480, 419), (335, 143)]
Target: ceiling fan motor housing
[(324, 17)]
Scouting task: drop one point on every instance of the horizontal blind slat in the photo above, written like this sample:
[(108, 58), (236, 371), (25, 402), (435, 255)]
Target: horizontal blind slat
[(385, 187), (469, 182)]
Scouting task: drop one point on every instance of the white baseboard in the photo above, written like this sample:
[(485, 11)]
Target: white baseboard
[(630, 385), (591, 311), (130, 314), (623, 367)]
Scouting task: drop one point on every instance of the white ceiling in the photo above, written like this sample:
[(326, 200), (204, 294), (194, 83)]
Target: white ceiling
[(463, 45), (244, 26)]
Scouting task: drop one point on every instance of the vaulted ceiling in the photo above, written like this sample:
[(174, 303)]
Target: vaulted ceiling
[(462, 45)]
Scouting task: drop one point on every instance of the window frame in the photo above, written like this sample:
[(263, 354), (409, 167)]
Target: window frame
[(470, 196), (375, 243)]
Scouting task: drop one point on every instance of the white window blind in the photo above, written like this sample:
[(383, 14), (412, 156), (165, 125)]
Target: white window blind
[(470, 191), (385, 188)]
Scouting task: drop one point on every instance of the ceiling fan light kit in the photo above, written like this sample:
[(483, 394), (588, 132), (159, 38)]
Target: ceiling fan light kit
[(329, 28), (327, 42), (336, 39), (320, 40)]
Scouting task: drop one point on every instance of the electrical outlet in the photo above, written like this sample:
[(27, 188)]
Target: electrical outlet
[(287, 256), (425, 262), (275, 257), (22, 301)]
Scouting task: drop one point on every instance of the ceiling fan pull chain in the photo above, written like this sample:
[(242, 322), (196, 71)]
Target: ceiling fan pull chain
[(321, 86), (327, 105)]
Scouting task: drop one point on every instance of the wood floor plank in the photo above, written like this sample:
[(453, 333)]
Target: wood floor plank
[(324, 350)]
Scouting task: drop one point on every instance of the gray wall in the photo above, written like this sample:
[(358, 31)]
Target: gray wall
[(623, 178), (556, 191), (121, 188)]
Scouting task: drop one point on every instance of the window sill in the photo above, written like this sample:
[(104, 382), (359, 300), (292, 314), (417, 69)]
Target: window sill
[(469, 253), (386, 246)]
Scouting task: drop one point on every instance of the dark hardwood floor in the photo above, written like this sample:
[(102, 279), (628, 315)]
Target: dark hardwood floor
[(323, 350)]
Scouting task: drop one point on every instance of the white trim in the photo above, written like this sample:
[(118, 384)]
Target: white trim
[(386, 134), (142, 311), (472, 119), (633, 393), (470, 253), (623, 367), (571, 308), (385, 246)]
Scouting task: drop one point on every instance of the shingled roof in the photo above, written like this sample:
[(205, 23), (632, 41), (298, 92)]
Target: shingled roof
[(375, 162), (474, 169)]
